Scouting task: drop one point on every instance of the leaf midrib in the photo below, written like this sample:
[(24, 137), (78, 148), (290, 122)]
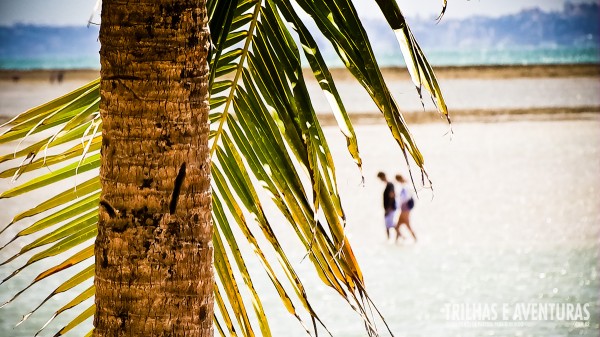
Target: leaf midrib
[(238, 73)]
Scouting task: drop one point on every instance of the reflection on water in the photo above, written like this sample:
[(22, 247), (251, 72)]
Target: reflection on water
[(514, 219)]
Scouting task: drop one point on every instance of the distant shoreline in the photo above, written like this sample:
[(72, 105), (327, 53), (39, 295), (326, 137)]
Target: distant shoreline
[(391, 73)]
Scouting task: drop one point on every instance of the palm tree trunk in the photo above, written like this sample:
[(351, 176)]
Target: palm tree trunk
[(153, 251)]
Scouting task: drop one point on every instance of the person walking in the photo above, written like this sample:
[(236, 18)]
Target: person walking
[(389, 204), (406, 202)]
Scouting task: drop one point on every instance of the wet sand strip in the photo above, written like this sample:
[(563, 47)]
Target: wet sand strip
[(475, 115), (390, 73)]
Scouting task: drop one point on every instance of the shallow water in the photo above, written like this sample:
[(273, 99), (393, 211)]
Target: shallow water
[(514, 219)]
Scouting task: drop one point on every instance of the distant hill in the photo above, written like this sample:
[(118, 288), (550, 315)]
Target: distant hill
[(576, 26)]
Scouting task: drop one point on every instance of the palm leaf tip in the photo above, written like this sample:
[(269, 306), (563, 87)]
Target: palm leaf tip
[(417, 65), (444, 6)]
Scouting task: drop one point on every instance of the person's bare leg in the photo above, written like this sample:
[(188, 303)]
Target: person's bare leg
[(407, 223), (397, 227), (398, 234)]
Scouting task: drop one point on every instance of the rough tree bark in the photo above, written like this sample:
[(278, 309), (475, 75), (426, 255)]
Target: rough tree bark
[(153, 251)]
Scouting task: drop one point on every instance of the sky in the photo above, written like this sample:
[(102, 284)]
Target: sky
[(77, 12)]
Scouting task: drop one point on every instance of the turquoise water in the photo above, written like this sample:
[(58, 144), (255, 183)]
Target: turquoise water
[(457, 57), (520, 56), (51, 62), (515, 56)]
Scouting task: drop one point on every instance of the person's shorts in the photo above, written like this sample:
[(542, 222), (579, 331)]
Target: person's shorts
[(389, 220), (408, 205)]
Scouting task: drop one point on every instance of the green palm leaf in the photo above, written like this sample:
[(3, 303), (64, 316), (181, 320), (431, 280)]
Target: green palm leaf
[(264, 131)]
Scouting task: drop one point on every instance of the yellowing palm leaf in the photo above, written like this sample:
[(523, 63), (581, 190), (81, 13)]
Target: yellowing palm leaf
[(264, 131)]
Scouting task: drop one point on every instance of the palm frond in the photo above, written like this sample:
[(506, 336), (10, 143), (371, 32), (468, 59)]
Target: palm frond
[(419, 69), (264, 132)]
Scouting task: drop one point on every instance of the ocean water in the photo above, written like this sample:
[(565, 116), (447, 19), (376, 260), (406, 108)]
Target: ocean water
[(513, 220), (445, 57), (521, 56), (49, 62)]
